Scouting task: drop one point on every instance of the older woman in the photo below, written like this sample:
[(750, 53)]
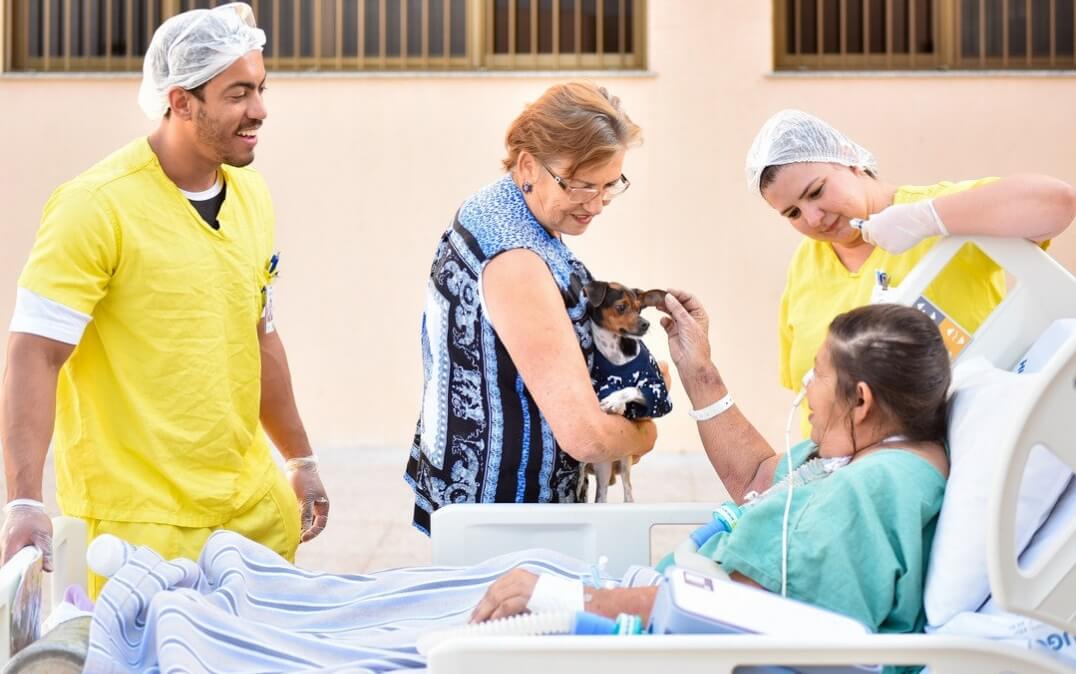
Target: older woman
[(856, 224), (508, 411)]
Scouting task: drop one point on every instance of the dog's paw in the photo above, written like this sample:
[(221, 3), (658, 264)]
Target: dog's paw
[(617, 402)]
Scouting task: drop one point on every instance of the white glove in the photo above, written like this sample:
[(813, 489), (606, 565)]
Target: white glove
[(902, 226), (27, 523), (303, 475)]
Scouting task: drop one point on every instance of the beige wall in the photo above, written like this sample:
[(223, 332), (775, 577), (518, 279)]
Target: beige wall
[(367, 171)]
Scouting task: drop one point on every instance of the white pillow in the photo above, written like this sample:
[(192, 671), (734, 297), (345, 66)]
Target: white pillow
[(980, 413), (994, 624)]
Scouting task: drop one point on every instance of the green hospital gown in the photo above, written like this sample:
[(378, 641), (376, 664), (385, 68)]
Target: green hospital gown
[(858, 540)]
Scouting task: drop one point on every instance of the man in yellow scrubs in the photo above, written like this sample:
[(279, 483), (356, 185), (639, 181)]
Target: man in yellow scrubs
[(142, 341)]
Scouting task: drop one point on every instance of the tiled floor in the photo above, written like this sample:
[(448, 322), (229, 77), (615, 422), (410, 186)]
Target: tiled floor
[(370, 517)]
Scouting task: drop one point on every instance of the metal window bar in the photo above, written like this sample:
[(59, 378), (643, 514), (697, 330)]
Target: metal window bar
[(112, 35), (921, 34), (382, 33), (622, 31)]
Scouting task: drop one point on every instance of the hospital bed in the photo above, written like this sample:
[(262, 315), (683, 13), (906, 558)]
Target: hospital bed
[(1043, 292), (1040, 292)]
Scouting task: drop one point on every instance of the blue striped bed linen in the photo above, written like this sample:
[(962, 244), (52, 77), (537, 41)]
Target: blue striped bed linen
[(243, 608)]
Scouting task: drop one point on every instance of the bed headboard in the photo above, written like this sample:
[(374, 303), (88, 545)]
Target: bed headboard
[(1046, 591), (1043, 292)]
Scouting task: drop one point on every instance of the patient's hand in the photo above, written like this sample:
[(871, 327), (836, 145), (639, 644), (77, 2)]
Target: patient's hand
[(510, 594), (687, 326), (507, 596)]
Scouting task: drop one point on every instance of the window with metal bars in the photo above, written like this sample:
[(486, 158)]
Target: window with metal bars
[(924, 34), (341, 35)]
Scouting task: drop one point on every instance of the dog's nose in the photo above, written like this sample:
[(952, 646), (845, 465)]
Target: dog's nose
[(644, 325)]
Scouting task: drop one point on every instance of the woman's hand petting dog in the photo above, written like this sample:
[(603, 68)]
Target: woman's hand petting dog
[(687, 326), (507, 596)]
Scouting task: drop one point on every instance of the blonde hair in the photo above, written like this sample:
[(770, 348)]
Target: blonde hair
[(577, 121)]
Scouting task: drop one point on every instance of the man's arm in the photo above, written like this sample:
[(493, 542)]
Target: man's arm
[(29, 413), (279, 414), (280, 418)]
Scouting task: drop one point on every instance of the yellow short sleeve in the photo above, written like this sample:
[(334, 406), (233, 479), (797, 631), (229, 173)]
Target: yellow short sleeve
[(76, 250), (784, 336)]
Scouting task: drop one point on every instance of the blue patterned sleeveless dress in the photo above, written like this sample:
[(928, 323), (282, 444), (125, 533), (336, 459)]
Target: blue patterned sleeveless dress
[(480, 436)]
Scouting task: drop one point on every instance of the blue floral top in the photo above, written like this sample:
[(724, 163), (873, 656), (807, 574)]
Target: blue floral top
[(480, 436)]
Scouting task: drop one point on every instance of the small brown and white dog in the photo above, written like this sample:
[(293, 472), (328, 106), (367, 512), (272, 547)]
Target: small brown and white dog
[(625, 375)]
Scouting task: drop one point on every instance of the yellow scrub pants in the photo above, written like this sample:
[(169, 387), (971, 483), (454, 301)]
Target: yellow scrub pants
[(273, 521)]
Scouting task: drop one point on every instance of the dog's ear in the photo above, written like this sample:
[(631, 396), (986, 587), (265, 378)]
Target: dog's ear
[(595, 291), (650, 298)]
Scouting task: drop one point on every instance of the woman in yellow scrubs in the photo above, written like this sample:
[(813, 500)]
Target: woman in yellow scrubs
[(856, 225)]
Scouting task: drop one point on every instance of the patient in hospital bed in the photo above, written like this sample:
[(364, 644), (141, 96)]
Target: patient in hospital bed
[(858, 533)]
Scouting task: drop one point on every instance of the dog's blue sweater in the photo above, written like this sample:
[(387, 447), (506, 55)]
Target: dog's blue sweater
[(641, 372)]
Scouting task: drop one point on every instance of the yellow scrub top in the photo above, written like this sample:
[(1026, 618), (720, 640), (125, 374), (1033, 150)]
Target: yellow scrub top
[(819, 287), (157, 409)]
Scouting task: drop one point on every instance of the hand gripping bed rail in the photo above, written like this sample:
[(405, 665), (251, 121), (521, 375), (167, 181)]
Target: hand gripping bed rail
[(69, 564)]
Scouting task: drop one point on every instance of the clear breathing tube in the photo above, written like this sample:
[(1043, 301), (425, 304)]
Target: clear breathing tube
[(807, 379), (536, 624), (530, 624)]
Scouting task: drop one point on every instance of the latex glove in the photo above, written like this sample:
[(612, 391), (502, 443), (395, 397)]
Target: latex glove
[(310, 493), (27, 525), (901, 226)]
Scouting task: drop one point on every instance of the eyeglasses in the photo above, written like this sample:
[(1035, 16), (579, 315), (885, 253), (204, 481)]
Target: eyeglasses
[(582, 195)]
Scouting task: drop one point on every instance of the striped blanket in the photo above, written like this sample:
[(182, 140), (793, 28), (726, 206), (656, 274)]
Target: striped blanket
[(242, 608)]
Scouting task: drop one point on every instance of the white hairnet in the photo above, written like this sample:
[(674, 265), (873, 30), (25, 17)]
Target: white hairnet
[(192, 48), (793, 136)]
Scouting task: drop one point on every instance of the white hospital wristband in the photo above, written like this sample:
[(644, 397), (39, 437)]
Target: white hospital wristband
[(553, 593), (711, 411), (302, 462), (24, 503)]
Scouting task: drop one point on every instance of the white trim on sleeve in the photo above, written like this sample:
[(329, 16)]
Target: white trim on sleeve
[(41, 316)]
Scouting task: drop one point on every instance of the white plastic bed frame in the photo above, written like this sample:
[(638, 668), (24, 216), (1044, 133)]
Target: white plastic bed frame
[(465, 534), (1043, 292)]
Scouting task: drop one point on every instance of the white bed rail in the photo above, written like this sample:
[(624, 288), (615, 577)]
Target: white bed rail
[(468, 533), (1044, 291), (723, 654), (1046, 592), (68, 557)]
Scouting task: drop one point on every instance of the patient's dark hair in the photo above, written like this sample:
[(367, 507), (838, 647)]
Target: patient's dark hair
[(898, 351)]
